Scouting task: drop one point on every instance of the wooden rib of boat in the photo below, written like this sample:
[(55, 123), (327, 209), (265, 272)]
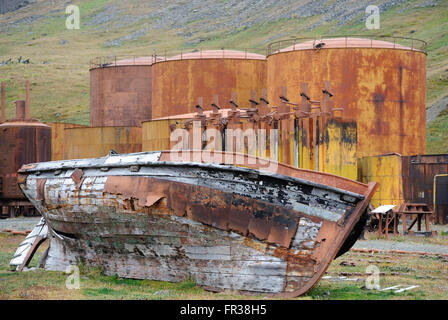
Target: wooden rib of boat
[(246, 228)]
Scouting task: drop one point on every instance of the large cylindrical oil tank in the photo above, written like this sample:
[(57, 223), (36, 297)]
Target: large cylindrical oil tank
[(99, 141), (380, 84), (21, 141), (156, 134), (120, 92), (180, 80)]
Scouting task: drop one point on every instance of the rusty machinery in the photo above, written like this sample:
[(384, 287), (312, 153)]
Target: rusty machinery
[(309, 120), (22, 140)]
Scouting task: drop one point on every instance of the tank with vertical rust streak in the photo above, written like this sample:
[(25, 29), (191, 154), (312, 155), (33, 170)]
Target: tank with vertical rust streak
[(21, 141), (380, 84), (120, 92), (180, 80)]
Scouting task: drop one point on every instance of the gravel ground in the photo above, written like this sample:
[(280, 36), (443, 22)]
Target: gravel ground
[(405, 246), (20, 224)]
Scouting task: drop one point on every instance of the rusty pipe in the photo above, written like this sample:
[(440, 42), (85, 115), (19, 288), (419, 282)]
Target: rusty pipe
[(20, 109), (3, 118), (27, 101)]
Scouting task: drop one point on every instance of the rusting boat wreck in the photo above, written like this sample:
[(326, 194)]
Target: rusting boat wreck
[(243, 228)]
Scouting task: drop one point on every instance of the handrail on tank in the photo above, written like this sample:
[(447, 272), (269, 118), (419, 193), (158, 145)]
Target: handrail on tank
[(164, 55), (273, 47), (415, 44)]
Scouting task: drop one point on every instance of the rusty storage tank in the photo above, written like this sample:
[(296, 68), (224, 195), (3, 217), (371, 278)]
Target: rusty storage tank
[(22, 141), (183, 78), (120, 91), (93, 142), (380, 84)]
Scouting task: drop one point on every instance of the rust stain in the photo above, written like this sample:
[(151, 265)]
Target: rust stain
[(92, 142), (120, 95)]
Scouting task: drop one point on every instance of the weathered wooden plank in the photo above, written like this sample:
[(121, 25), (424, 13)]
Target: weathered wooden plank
[(257, 275)]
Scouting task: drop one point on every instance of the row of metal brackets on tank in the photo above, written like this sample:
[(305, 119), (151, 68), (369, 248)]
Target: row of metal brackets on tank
[(311, 115)]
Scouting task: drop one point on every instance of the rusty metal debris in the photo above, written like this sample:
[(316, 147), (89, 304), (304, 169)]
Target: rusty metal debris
[(422, 253)]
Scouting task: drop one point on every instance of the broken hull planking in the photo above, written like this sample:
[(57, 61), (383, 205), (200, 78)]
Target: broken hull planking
[(228, 229)]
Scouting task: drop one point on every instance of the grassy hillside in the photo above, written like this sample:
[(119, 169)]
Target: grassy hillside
[(60, 58)]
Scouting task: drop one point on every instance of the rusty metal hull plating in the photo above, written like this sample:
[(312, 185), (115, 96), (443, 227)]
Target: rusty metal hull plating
[(144, 216)]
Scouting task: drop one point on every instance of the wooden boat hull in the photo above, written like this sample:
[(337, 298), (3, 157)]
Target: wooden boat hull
[(226, 227)]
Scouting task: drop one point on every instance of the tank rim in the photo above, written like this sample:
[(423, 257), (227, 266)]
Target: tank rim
[(282, 46)]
